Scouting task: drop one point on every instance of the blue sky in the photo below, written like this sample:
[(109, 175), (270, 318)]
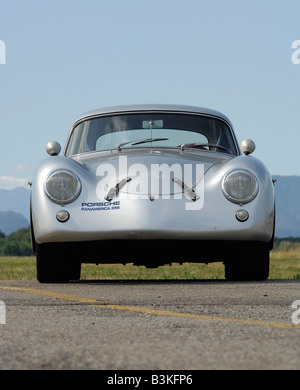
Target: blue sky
[(66, 57)]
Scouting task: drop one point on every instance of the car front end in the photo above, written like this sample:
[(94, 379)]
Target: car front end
[(150, 202)]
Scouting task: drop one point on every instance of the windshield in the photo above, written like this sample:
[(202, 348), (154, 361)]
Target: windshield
[(157, 129)]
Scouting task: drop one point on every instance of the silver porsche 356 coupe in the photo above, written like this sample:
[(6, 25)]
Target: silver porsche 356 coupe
[(152, 185)]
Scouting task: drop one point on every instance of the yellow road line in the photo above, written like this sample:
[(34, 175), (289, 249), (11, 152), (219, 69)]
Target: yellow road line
[(52, 294), (146, 310)]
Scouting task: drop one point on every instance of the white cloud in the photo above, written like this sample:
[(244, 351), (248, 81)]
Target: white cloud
[(10, 183), (20, 168)]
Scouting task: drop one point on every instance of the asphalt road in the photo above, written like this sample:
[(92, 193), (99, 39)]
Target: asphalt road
[(149, 325)]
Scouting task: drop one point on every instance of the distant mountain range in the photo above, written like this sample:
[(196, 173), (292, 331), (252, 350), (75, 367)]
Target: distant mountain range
[(11, 221), (287, 193), (15, 208)]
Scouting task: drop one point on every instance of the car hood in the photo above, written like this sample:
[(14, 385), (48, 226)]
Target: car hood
[(151, 172)]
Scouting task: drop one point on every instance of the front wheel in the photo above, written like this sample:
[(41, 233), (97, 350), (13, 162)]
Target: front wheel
[(54, 266), (253, 264)]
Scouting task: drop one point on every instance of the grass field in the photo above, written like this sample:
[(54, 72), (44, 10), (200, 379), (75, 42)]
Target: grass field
[(285, 264)]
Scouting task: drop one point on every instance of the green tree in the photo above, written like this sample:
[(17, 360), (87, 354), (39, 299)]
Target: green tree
[(10, 249), (16, 244)]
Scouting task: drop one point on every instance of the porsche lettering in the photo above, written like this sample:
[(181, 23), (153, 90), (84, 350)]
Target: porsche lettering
[(100, 204)]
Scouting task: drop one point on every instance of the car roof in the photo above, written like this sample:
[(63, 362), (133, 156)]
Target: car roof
[(153, 107)]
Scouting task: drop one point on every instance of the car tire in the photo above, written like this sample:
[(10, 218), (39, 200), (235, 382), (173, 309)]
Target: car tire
[(53, 266), (252, 265)]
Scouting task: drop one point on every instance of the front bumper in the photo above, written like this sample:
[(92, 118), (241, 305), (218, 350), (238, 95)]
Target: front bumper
[(159, 219)]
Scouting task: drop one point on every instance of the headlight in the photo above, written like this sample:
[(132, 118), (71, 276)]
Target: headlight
[(62, 186), (240, 186)]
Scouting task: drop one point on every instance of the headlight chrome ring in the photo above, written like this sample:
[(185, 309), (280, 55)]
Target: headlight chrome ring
[(62, 186), (240, 186)]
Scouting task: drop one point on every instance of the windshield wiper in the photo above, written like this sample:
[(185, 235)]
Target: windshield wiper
[(195, 144), (142, 141)]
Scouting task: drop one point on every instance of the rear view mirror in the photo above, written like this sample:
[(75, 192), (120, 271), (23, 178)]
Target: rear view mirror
[(159, 124)]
